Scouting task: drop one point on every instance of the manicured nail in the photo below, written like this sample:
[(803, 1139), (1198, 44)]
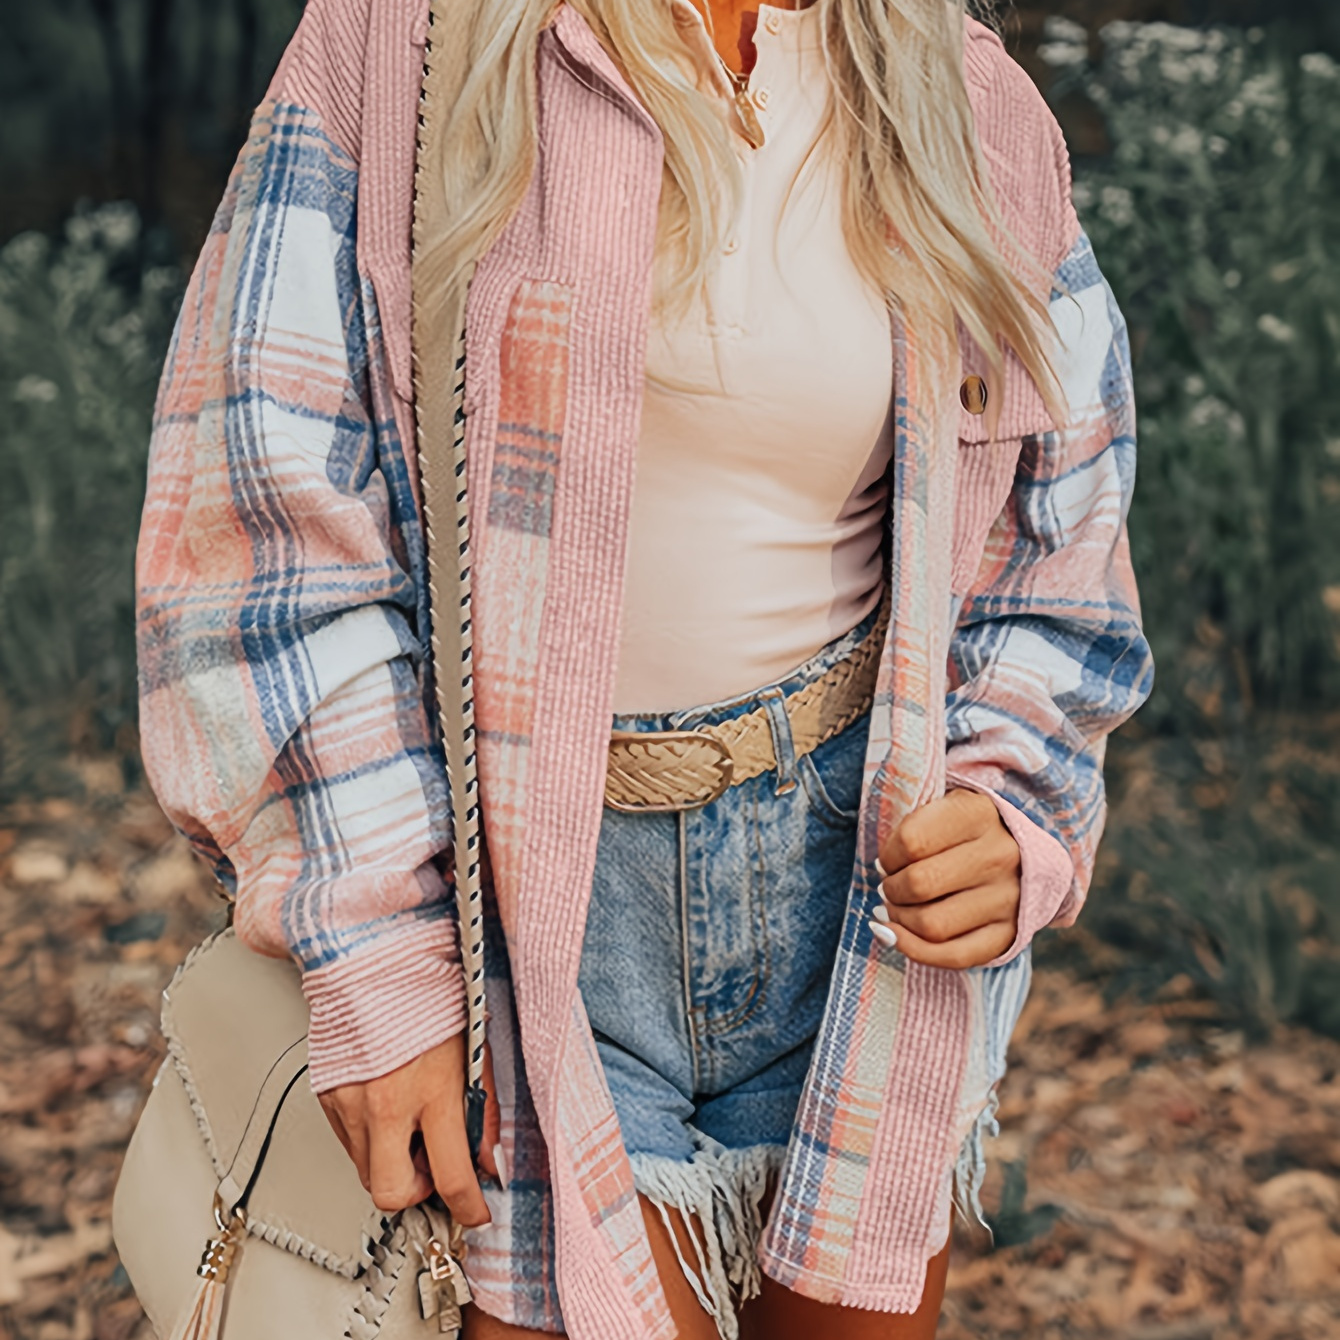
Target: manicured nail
[(500, 1163), (881, 914), (879, 869), (884, 935)]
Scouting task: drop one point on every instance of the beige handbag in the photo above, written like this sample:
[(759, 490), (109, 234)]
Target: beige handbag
[(233, 1154)]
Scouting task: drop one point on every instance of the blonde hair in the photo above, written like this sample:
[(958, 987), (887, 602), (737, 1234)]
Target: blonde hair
[(918, 213)]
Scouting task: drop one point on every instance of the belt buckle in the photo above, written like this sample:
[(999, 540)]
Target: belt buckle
[(719, 757)]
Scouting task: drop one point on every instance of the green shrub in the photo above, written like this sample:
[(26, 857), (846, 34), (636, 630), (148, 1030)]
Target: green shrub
[(1214, 217), (83, 329), (1220, 865)]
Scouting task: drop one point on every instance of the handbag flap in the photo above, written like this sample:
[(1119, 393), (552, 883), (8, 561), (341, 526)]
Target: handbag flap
[(236, 1026)]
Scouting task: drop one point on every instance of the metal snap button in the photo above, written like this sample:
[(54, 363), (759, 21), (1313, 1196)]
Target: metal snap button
[(772, 23), (761, 97), (973, 395)]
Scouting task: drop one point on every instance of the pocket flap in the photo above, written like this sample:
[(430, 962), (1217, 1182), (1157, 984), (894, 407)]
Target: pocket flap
[(236, 1026)]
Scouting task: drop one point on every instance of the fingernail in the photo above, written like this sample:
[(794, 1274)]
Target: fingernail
[(883, 934), (879, 869), (881, 914), (500, 1162)]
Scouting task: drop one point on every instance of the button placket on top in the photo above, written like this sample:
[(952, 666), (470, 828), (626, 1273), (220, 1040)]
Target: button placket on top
[(729, 289)]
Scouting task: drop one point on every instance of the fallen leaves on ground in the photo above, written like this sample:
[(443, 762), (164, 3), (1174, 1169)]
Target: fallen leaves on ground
[(1155, 1177), (1191, 1183), (99, 901)]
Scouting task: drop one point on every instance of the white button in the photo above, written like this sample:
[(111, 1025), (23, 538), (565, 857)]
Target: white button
[(761, 97), (772, 23)]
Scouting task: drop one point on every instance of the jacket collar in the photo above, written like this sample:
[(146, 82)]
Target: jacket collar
[(581, 53)]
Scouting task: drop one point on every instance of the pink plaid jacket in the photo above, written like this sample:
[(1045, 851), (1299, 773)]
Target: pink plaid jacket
[(283, 621)]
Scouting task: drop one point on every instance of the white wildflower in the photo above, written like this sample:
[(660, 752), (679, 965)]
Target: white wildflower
[(1082, 195), (26, 251), (118, 224), (1200, 67), (1280, 331), (1212, 413), (1118, 206), (160, 279), (1204, 413), (1217, 145), (80, 231), (1319, 65), (1066, 44), (1204, 67), (35, 390), (1194, 386), (1232, 278), (1187, 142), (1063, 55), (1262, 93), (1174, 37), (1058, 29), (1283, 271), (1282, 147), (1161, 135), (1183, 55)]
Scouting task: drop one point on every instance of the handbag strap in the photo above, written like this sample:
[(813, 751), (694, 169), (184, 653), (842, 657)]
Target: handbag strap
[(439, 384), (453, 653)]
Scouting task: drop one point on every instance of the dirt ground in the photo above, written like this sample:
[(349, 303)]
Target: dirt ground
[(1156, 1178)]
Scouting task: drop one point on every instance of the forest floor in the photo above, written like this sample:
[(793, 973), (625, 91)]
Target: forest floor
[(1157, 1178)]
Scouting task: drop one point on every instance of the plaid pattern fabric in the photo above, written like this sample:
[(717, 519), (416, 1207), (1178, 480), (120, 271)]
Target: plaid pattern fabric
[(281, 606), (283, 621), (1047, 655)]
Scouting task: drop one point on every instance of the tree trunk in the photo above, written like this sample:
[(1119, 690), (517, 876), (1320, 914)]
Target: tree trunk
[(244, 73), (106, 16), (156, 106)]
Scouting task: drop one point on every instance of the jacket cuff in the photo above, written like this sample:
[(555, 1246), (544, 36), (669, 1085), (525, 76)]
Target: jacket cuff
[(374, 1012), (1046, 872)]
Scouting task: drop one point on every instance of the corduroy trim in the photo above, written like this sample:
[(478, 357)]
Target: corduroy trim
[(373, 1013), (1046, 874)]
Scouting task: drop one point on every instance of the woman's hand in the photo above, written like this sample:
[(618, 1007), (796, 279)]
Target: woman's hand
[(952, 883), (378, 1123)]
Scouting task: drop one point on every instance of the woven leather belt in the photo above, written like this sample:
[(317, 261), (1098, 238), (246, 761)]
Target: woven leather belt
[(660, 771)]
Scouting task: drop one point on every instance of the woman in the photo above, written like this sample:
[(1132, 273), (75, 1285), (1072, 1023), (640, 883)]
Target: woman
[(800, 441)]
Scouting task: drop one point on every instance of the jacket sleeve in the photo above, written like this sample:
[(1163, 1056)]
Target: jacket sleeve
[(1048, 656), (282, 614)]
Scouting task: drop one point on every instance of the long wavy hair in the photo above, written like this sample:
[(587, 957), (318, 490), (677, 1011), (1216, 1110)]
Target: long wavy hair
[(918, 213)]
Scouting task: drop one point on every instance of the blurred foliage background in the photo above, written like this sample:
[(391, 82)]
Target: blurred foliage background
[(1205, 135)]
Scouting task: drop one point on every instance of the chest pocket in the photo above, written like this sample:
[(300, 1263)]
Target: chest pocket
[(986, 473), (991, 433)]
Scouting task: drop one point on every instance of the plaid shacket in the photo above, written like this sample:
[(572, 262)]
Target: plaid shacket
[(283, 627)]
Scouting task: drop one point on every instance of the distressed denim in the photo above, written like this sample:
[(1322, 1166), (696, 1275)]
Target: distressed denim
[(709, 950)]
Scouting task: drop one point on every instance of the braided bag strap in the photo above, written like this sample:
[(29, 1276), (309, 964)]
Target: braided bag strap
[(439, 378)]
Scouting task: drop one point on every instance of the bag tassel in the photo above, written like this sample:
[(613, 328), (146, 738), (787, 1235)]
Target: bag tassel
[(205, 1319)]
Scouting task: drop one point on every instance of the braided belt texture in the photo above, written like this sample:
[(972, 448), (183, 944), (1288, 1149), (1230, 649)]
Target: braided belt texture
[(660, 771)]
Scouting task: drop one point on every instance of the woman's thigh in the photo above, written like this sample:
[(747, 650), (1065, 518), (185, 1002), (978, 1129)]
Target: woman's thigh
[(777, 1314), (691, 1321)]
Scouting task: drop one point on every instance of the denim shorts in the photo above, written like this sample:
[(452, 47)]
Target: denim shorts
[(709, 949)]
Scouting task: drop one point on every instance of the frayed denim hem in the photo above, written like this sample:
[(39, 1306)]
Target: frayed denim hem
[(970, 1167), (720, 1193)]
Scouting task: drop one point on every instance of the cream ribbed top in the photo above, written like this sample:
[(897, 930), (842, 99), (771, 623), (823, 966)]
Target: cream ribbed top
[(757, 509)]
